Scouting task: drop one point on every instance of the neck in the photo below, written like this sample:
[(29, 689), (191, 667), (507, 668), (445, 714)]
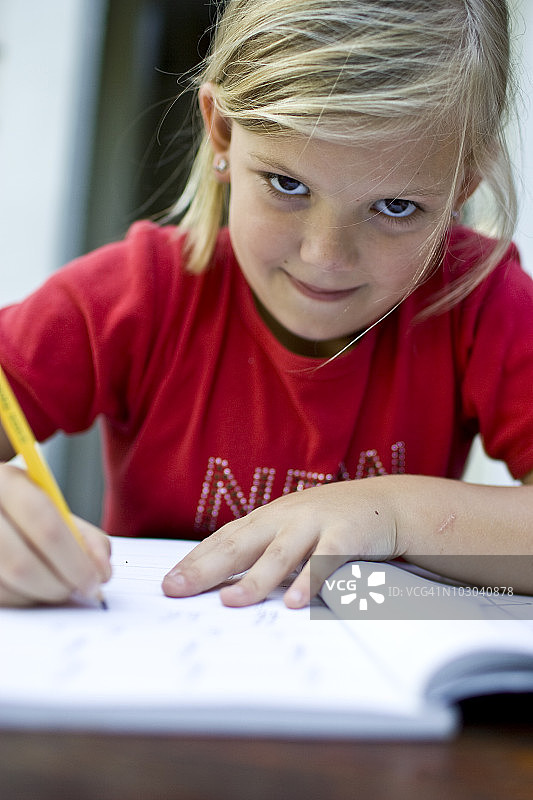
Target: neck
[(297, 344)]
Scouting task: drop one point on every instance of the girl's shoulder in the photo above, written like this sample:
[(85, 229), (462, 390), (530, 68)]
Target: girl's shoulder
[(466, 253), (164, 248), (148, 265), (149, 246), (467, 249), (500, 306)]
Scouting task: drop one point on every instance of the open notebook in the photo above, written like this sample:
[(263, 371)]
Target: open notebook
[(191, 665)]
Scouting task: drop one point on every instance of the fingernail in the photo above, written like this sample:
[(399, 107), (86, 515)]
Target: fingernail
[(176, 577), (294, 597), (234, 591), (90, 590), (233, 595), (85, 597)]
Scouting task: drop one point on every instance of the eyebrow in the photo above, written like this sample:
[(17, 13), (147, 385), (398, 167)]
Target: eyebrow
[(276, 165), (415, 191)]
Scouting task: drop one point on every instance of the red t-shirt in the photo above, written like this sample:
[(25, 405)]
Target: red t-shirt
[(206, 415)]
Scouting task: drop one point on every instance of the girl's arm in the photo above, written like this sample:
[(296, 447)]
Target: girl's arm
[(40, 561), (417, 517)]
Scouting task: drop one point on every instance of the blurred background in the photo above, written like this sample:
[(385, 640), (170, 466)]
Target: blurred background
[(91, 139)]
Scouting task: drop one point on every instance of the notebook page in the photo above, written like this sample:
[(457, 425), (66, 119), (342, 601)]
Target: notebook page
[(155, 653), (415, 650)]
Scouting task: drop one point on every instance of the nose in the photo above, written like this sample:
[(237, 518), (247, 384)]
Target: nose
[(328, 245)]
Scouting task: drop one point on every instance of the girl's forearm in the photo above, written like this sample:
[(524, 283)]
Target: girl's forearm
[(441, 520)]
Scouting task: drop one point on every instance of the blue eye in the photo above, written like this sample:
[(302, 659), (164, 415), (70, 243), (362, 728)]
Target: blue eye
[(285, 185), (396, 207)]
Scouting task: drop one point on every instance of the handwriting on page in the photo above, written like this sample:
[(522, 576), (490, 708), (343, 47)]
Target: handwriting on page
[(149, 648)]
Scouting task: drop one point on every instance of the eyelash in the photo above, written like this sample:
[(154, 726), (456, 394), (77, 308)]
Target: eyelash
[(389, 220), (269, 177), (403, 221), (398, 220)]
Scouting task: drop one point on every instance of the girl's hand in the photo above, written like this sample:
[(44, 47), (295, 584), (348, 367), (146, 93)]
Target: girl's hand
[(343, 520), (40, 560)]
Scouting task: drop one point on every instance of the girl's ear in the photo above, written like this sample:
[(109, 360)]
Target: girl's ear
[(469, 185), (218, 129)]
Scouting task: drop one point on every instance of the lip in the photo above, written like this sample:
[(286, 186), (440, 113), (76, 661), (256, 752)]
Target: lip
[(319, 293)]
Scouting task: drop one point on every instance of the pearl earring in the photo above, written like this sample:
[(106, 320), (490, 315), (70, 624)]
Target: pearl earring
[(221, 165)]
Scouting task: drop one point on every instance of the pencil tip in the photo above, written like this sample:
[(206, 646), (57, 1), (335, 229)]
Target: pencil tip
[(104, 605)]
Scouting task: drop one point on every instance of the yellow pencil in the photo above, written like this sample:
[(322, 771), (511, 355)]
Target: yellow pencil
[(23, 442)]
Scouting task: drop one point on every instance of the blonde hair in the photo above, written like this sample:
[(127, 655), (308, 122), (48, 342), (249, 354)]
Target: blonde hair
[(350, 70)]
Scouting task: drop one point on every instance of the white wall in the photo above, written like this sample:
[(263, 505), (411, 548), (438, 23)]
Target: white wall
[(49, 70), (524, 30), (481, 469), (48, 78)]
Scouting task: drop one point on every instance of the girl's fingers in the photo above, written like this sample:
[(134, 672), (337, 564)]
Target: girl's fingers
[(280, 558), (39, 557), (98, 546), (227, 552), (272, 540), (24, 576), (237, 546), (309, 582), (11, 599)]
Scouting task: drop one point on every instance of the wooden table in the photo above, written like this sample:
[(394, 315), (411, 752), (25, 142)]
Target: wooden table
[(492, 758)]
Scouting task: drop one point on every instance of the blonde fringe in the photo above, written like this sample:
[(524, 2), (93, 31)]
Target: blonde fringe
[(263, 46)]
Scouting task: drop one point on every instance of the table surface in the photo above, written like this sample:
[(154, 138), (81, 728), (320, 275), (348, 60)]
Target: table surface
[(492, 757)]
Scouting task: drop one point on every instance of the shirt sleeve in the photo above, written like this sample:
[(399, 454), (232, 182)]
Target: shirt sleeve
[(497, 349), (78, 347)]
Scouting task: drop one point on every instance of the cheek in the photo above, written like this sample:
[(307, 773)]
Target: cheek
[(257, 236), (398, 264)]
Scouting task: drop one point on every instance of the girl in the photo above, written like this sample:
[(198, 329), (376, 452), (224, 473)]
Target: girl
[(344, 325)]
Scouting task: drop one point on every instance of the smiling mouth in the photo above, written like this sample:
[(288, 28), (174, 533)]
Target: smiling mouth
[(318, 293)]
